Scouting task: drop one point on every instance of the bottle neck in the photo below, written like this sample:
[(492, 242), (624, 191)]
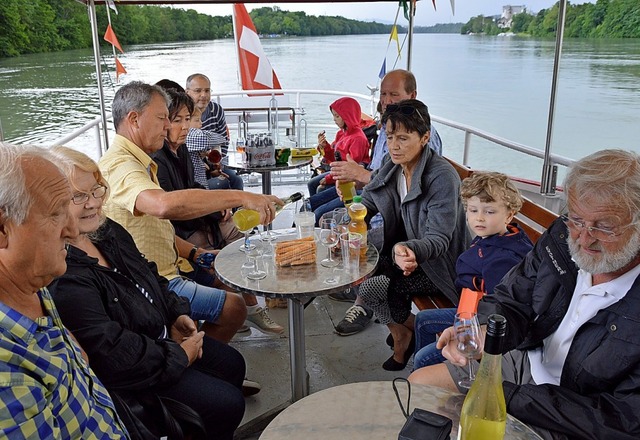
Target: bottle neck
[(493, 344), (291, 199)]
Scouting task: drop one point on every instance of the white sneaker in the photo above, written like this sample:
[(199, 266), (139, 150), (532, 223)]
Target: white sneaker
[(264, 322)]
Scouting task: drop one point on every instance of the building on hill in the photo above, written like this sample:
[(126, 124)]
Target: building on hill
[(508, 12)]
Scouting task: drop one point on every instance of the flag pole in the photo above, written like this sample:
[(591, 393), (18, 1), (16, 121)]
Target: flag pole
[(236, 43), (412, 11), (96, 55), (113, 48)]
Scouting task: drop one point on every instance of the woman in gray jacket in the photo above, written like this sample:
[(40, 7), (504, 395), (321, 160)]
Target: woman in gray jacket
[(417, 193)]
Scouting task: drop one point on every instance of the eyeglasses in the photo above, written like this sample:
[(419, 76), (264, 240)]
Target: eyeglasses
[(406, 110), (601, 234), (81, 198)]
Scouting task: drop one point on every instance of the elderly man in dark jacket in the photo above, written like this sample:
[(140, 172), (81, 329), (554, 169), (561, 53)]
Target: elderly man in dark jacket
[(571, 366)]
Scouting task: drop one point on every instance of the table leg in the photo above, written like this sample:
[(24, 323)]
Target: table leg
[(299, 385), (266, 182)]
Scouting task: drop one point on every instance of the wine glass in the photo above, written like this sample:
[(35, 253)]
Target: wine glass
[(245, 220), (328, 238), (252, 264), (469, 341)]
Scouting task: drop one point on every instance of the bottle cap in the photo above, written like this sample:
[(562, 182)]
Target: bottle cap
[(357, 199), (496, 325)]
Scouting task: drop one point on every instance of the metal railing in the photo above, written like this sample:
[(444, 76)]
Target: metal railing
[(303, 127)]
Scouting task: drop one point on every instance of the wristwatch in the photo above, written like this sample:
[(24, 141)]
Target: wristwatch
[(192, 253)]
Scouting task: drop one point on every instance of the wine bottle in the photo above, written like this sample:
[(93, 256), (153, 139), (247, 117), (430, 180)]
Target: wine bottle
[(247, 219), (484, 412)]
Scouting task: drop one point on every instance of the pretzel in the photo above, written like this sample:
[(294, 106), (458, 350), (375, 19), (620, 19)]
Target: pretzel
[(296, 252)]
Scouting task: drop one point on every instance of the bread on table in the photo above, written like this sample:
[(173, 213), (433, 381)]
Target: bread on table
[(295, 252)]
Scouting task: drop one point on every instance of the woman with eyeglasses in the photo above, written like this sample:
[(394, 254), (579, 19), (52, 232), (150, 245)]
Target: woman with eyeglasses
[(137, 333), (417, 193)]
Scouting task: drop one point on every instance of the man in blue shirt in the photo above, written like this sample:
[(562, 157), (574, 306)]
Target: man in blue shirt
[(396, 86), (47, 389)]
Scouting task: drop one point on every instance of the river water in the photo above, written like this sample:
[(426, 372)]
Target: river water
[(497, 84)]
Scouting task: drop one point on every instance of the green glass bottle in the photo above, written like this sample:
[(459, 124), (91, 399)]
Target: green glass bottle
[(484, 412)]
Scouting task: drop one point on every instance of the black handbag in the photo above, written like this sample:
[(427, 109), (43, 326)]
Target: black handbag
[(421, 424), (149, 417)]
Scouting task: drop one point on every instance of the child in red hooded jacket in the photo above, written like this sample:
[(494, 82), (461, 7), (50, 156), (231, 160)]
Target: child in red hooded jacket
[(350, 139)]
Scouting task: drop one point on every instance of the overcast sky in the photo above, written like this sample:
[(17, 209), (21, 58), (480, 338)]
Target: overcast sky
[(385, 11)]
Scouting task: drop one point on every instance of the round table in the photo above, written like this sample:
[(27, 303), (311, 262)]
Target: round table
[(231, 161), (370, 411), (297, 284)]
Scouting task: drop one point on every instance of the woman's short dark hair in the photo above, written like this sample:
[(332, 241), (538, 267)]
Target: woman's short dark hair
[(178, 100), (412, 114)]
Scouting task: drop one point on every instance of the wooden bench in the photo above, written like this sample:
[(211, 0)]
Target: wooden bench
[(532, 218)]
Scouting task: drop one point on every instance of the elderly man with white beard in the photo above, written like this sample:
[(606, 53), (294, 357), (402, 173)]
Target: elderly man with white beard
[(571, 362)]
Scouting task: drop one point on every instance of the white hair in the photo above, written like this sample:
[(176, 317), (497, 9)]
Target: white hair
[(15, 199)]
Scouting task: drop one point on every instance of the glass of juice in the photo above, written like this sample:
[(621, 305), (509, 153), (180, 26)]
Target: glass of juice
[(245, 220)]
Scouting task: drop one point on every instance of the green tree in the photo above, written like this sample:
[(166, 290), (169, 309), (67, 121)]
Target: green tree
[(520, 22), (14, 37)]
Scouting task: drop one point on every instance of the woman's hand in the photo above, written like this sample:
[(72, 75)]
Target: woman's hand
[(405, 259), (183, 327), (192, 346)]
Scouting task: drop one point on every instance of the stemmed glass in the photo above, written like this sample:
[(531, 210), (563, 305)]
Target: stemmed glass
[(469, 337), (245, 220), (329, 238), (254, 272)]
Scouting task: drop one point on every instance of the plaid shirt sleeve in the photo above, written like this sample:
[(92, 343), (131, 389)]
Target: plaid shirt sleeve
[(201, 140), (213, 120), (47, 390)]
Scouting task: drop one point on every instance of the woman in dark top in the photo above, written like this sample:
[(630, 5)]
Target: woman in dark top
[(137, 333)]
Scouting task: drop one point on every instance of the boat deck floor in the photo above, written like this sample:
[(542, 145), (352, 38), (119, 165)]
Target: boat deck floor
[(331, 359)]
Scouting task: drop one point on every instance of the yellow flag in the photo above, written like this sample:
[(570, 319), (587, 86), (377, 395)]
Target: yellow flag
[(394, 36)]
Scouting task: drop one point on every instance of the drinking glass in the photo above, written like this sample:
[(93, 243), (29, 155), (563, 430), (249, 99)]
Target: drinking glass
[(469, 341), (305, 221), (328, 238), (341, 216), (245, 222), (252, 264)]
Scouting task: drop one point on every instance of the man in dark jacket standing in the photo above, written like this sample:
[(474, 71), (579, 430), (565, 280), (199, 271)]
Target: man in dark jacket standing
[(571, 366)]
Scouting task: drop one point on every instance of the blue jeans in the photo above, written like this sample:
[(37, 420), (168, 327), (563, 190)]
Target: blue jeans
[(326, 201), (314, 183), (428, 324), (233, 182), (206, 302)]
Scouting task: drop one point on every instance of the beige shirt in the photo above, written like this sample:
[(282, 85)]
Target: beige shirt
[(129, 171)]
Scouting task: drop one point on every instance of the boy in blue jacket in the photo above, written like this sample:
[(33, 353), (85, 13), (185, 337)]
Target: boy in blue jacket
[(491, 201)]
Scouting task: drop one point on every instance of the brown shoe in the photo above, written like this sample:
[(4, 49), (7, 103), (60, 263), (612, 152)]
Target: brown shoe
[(274, 303)]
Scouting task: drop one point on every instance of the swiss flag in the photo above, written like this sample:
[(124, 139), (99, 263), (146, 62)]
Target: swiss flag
[(256, 71)]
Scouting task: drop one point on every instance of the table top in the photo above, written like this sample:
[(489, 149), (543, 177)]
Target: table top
[(369, 411), (284, 282), (232, 160)]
